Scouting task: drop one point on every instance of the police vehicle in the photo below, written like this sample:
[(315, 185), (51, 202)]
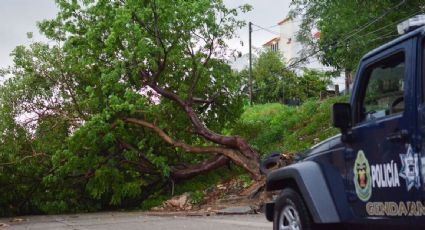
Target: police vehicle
[(374, 171)]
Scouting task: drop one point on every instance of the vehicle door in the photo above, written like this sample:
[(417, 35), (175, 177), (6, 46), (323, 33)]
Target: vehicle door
[(421, 118), (381, 176)]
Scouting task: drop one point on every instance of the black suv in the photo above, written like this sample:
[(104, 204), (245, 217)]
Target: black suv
[(374, 171)]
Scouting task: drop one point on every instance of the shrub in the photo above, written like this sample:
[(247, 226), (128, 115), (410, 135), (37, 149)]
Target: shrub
[(276, 127)]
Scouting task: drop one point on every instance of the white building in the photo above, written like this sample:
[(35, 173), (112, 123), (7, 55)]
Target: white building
[(239, 63), (290, 48)]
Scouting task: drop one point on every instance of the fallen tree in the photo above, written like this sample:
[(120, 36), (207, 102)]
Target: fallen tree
[(130, 95)]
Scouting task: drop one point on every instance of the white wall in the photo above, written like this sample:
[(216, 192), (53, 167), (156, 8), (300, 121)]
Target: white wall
[(288, 31), (292, 51)]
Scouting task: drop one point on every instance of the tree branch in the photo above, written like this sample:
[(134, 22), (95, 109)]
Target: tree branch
[(200, 129), (234, 154), (164, 136), (194, 170), (23, 159), (146, 162)]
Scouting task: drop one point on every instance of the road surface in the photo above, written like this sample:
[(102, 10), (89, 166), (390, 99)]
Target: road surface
[(136, 220)]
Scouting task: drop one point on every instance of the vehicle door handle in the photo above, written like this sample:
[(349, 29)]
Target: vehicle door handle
[(400, 135)]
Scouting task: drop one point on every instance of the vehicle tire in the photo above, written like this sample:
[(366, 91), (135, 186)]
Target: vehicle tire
[(269, 162), (291, 212)]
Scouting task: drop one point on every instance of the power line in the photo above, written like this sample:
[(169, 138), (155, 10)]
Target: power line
[(337, 43), (376, 19), (346, 37), (386, 36), (268, 30), (273, 26), (315, 52), (393, 23)]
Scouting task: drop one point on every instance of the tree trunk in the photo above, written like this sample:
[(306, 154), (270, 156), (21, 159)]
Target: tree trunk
[(240, 158), (234, 147)]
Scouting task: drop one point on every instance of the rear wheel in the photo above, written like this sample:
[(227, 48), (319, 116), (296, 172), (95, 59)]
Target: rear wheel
[(291, 212)]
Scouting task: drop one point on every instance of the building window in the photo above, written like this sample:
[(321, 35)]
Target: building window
[(275, 47)]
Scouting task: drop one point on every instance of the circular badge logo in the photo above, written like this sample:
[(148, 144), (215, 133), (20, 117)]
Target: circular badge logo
[(362, 178)]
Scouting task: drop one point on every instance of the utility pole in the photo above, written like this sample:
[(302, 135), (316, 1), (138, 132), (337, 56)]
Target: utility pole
[(250, 63), (347, 81), (283, 90)]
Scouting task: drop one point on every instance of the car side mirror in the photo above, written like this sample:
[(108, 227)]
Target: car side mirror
[(341, 116)]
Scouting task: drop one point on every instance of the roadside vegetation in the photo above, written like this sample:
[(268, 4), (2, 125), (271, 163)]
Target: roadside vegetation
[(280, 128)]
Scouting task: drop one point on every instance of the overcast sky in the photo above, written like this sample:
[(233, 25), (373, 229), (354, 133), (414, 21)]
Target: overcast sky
[(17, 17), (265, 13)]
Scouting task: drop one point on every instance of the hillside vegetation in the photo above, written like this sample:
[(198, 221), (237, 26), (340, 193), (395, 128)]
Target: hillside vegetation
[(276, 127)]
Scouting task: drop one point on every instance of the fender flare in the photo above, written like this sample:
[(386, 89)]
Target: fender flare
[(311, 183)]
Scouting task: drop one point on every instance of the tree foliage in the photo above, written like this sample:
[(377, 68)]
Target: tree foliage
[(127, 96), (274, 82), (346, 32)]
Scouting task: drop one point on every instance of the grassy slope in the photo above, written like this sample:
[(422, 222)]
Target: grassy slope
[(276, 127)]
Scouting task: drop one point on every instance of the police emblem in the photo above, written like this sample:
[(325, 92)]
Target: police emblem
[(410, 169), (362, 178)]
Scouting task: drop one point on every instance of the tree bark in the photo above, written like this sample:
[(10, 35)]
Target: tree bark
[(204, 167), (229, 141), (236, 155)]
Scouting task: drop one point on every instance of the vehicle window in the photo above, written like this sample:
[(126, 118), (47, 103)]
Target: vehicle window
[(384, 93)]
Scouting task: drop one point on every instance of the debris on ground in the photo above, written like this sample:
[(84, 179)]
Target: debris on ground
[(17, 220), (225, 198), (176, 203), (233, 196)]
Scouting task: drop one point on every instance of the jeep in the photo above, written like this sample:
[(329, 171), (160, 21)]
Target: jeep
[(373, 172)]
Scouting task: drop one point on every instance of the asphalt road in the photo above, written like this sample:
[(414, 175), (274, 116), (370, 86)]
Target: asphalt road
[(136, 220)]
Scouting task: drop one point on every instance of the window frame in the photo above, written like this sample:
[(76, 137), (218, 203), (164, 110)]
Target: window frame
[(365, 77)]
